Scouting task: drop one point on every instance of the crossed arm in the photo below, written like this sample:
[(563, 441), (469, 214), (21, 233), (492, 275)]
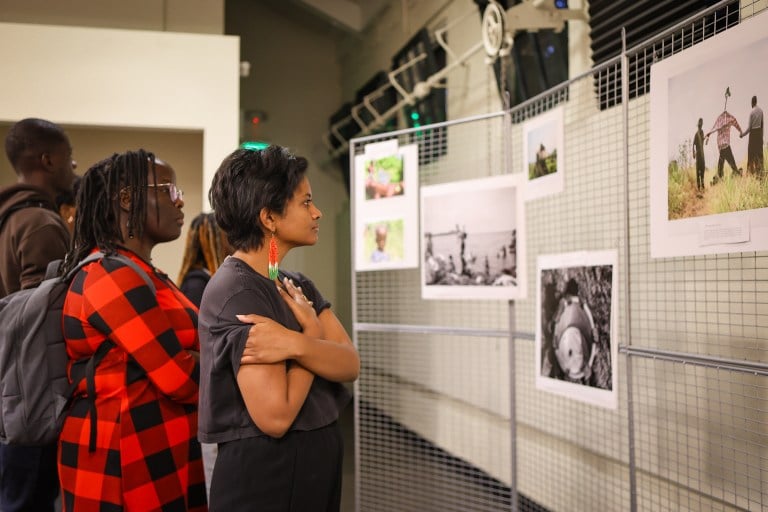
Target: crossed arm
[(278, 365)]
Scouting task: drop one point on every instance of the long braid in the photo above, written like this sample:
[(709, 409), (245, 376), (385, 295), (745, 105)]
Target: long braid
[(204, 248), (191, 248), (97, 222)]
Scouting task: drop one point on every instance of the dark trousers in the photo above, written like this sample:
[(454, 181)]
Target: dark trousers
[(726, 155), (29, 480), (301, 472), (755, 160), (700, 172)]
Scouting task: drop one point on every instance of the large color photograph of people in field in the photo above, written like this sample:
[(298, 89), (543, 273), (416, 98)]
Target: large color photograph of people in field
[(709, 178)]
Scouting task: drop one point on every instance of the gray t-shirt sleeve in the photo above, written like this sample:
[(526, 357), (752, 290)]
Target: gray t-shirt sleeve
[(232, 332)]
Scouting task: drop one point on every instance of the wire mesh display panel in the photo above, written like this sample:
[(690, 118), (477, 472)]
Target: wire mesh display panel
[(700, 436), (432, 434), (699, 331), (448, 414)]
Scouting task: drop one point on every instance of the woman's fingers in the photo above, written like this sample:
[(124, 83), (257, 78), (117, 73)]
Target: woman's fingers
[(251, 319), (293, 291)]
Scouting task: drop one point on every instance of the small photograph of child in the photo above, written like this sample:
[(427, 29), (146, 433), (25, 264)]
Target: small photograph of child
[(383, 241), (384, 177)]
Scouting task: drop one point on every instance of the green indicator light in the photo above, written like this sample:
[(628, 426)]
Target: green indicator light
[(254, 145)]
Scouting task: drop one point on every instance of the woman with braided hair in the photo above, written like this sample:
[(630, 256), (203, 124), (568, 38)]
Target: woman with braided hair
[(144, 455), (205, 250)]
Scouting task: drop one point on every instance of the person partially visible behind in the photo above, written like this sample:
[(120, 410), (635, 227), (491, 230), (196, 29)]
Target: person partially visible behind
[(65, 204), (755, 158), (205, 250), (144, 454), (32, 236), (698, 155), (273, 354)]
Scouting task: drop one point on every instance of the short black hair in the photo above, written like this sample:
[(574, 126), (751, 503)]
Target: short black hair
[(30, 138), (248, 181), (754, 100)]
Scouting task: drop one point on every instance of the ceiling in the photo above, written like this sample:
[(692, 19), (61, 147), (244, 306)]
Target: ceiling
[(350, 15)]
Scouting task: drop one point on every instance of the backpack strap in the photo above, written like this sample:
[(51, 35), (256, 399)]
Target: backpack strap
[(90, 384), (104, 348), (123, 259)]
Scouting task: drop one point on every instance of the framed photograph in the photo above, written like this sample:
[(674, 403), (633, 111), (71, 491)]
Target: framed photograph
[(543, 154), (383, 243), (386, 207), (471, 251), (383, 178), (576, 345), (708, 182)]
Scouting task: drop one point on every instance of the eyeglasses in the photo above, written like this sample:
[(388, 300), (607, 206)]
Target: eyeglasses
[(175, 192)]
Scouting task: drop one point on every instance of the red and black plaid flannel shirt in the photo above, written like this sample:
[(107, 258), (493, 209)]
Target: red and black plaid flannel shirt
[(147, 456)]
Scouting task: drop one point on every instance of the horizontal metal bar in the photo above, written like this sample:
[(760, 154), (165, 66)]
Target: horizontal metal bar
[(719, 363), (438, 329), (426, 127)]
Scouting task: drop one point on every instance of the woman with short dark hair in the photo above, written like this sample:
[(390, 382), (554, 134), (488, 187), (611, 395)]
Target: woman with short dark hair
[(273, 354)]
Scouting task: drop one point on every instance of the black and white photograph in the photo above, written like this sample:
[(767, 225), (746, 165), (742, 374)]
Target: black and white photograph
[(709, 188), (576, 346), (386, 207), (543, 154), (472, 239)]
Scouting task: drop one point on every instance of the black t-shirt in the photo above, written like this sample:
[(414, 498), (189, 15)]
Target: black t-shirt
[(194, 284), (237, 289)]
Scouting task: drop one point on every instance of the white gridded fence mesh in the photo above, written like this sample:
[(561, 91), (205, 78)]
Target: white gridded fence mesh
[(448, 419)]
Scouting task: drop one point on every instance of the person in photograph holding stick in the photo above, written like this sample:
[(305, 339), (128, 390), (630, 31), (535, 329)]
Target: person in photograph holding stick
[(722, 126)]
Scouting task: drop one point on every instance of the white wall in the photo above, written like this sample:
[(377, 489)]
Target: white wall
[(200, 16), (125, 79), (295, 81)]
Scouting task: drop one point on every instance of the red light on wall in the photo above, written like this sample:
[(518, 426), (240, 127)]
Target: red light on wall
[(255, 120)]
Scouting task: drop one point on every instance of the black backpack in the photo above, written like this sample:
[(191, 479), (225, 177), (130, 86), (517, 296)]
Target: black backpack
[(34, 390)]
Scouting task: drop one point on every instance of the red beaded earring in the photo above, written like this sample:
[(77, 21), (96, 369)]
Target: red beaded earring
[(273, 257)]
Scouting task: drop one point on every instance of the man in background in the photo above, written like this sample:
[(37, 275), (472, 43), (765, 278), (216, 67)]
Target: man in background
[(755, 160), (32, 234)]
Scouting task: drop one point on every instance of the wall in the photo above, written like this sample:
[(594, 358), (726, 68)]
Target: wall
[(199, 16), (294, 80), (161, 77)]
